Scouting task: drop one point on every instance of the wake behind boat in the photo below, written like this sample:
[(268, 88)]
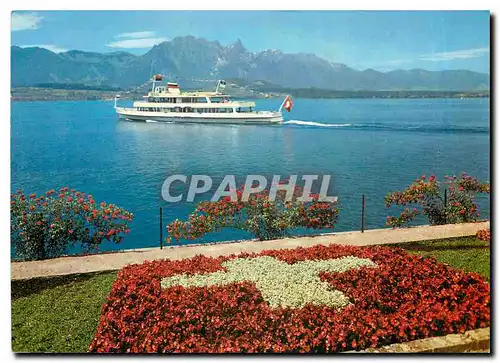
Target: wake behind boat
[(169, 104)]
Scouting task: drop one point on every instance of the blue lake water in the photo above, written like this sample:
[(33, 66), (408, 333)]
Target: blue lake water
[(369, 146)]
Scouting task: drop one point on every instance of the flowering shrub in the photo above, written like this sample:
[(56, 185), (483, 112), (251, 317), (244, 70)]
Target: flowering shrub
[(425, 192), (45, 226), (264, 218), (404, 297), (484, 235)]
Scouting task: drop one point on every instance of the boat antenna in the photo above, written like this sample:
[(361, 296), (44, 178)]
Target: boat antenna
[(151, 76), (151, 68)]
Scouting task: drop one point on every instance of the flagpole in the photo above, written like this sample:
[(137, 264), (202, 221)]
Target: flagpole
[(283, 103), (116, 99)]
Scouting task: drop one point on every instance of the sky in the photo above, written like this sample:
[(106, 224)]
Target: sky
[(381, 40)]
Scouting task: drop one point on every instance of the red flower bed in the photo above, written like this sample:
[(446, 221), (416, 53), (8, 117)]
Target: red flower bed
[(484, 235), (406, 297)]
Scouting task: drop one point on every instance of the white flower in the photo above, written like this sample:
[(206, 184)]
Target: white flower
[(280, 283)]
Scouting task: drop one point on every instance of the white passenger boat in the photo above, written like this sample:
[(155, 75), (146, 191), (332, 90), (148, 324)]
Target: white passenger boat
[(169, 104)]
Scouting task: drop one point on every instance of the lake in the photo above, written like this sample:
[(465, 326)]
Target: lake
[(369, 146)]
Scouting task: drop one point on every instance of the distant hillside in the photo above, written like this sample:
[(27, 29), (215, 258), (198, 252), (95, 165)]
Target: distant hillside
[(266, 89), (188, 59)]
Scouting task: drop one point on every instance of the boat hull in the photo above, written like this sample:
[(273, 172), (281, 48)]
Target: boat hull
[(249, 118)]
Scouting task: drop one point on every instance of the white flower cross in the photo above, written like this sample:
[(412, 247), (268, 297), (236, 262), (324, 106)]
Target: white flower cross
[(280, 283)]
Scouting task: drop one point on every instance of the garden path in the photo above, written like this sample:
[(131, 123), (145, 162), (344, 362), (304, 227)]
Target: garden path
[(117, 260)]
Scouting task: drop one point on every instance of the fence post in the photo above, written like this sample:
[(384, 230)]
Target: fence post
[(445, 205), (161, 228), (363, 214)]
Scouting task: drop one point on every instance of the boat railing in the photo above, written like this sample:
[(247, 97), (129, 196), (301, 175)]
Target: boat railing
[(134, 109)]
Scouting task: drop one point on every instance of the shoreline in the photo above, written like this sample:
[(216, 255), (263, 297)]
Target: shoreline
[(254, 98), (37, 94)]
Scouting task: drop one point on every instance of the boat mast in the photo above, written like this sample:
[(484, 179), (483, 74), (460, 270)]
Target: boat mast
[(154, 83)]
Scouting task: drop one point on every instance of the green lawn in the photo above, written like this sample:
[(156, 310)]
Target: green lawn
[(466, 253), (58, 314), (61, 314)]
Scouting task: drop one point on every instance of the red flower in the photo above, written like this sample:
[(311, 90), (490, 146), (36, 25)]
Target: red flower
[(484, 235)]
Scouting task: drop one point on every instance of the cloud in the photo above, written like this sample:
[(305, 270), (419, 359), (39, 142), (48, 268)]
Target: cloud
[(141, 39), (396, 62), (137, 35), (458, 54), (51, 47), (24, 21), (137, 43)]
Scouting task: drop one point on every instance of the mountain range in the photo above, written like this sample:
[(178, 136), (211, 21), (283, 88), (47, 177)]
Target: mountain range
[(189, 59)]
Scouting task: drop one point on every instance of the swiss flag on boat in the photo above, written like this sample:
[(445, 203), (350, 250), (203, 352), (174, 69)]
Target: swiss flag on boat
[(288, 103)]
